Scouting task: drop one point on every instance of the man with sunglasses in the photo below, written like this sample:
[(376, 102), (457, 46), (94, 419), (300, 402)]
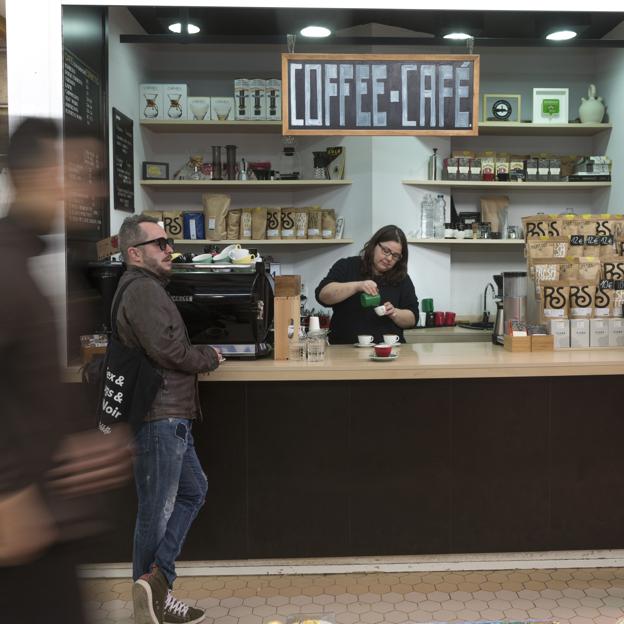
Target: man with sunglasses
[(170, 483)]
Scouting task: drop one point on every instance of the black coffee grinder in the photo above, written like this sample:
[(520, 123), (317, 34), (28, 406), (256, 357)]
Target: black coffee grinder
[(498, 333)]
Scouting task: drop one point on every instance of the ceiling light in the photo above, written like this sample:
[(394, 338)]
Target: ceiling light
[(458, 35), (561, 35), (190, 28), (315, 31)]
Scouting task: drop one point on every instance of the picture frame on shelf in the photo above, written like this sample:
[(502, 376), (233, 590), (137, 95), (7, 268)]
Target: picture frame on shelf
[(155, 171), (340, 222), (550, 105), (502, 107)]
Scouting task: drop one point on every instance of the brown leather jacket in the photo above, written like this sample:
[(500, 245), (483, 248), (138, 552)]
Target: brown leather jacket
[(147, 319)]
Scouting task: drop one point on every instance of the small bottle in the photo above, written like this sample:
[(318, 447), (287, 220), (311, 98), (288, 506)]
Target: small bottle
[(434, 165), (439, 216)]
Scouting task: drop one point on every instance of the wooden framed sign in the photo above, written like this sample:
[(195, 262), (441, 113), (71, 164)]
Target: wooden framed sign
[(380, 94)]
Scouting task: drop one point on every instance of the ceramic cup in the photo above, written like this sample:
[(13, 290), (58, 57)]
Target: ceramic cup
[(237, 254), (380, 310), (314, 324), (383, 350), (248, 259), (365, 340), (390, 339)]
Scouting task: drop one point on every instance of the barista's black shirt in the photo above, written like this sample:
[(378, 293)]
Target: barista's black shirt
[(350, 319)]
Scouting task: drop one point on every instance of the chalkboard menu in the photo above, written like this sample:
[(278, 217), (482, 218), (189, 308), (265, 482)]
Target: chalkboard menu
[(123, 162), (84, 161), (380, 94)]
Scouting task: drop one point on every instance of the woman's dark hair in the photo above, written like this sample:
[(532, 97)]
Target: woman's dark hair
[(385, 234)]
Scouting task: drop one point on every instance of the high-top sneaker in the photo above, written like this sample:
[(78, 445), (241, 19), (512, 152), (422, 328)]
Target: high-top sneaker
[(176, 612), (149, 594)]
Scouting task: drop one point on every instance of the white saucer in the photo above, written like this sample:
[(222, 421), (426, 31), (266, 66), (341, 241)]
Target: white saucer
[(381, 358), (366, 346)]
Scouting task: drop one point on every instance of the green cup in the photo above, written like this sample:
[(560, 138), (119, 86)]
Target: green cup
[(427, 305), (370, 301)]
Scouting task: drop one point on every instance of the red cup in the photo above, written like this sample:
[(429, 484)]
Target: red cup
[(449, 319), (383, 350), (438, 319)]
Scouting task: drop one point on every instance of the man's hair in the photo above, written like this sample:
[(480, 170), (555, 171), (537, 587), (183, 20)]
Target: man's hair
[(29, 146), (130, 232)]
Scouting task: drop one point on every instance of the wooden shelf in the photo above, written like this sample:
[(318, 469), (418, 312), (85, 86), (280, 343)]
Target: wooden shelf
[(264, 241), (185, 126), (192, 185), (517, 186), (509, 242), (516, 128)]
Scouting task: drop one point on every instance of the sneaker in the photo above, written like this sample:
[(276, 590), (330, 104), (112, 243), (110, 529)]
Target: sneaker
[(176, 612), (149, 594)]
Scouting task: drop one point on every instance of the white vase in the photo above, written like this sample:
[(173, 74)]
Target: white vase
[(592, 109)]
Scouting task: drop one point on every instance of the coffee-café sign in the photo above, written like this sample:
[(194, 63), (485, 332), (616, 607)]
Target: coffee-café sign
[(380, 94)]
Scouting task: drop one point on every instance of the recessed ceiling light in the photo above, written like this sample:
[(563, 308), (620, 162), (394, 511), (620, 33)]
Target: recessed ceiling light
[(177, 28), (458, 35), (561, 35), (315, 31)]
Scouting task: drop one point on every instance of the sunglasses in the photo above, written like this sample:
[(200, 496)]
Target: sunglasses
[(162, 243), (389, 253)]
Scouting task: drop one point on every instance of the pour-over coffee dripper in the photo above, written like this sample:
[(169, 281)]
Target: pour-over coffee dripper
[(175, 110), (151, 108)]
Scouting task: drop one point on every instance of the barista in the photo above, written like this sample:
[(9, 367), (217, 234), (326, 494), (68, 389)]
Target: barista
[(380, 269)]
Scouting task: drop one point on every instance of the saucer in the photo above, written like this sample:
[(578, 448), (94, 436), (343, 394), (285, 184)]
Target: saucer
[(381, 358), (366, 346)]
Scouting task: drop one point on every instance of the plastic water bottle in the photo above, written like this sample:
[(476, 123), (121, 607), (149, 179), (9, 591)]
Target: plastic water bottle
[(427, 217), (440, 217)]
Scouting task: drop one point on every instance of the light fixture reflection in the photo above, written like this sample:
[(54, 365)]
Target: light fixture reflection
[(315, 31), (177, 28), (561, 35), (461, 36)]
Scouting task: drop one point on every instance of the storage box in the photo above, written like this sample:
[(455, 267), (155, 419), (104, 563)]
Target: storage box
[(560, 330), (151, 101), (193, 224), (221, 108), (616, 332), (198, 108), (542, 343), (241, 98), (599, 332), (175, 102), (257, 108), (273, 99), (517, 343), (579, 333)]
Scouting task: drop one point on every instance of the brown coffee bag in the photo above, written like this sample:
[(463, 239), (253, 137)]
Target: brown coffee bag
[(288, 222), (555, 301), (301, 223), (274, 223), (603, 299), (233, 224), (328, 223), (494, 211), (315, 223), (216, 207), (589, 269), (258, 223), (612, 268), (582, 294), (618, 299), (173, 223), (245, 224), (541, 225)]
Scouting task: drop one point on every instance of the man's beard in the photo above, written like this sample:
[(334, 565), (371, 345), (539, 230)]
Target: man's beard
[(156, 266)]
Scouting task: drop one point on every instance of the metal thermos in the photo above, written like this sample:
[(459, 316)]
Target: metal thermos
[(514, 297), (434, 165), (499, 324)]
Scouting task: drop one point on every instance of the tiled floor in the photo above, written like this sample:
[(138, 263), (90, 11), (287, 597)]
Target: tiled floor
[(574, 596)]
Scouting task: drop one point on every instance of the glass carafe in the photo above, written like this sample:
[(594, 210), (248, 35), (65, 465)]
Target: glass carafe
[(151, 107), (175, 110)]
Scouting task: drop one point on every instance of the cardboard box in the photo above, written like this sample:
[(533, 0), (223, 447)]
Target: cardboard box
[(616, 332), (579, 333), (542, 343), (198, 108), (273, 99), (151, 101), (257, 108), (241, 98), (599, 332), (222, 108), (517, 343), (175, 104), (560, 330)]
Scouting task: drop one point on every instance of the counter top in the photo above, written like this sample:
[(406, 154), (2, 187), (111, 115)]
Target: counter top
[(422, 361)]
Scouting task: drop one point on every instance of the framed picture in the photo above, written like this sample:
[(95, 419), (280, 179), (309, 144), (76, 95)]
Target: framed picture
[(155, 171), (502, 107), (340, 227), (550, 105)]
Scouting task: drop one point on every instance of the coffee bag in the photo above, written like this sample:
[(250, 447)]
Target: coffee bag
[(288, 222), (315, 222), (555, 300), (233, 224), (603, 299), (245, 224), (258, 223), (301, 223), (274, 223), (582, 294), (215, 215), (328, 223), (613, 268), (173, 223), (541, 225)]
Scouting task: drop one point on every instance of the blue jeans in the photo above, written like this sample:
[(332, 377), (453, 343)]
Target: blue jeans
[(171, 488)]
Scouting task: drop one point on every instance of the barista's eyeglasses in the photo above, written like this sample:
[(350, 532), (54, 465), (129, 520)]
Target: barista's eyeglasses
[(161, 242), (389, 253)]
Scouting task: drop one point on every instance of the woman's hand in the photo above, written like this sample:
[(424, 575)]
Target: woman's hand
[(369, 287), (390, 310)]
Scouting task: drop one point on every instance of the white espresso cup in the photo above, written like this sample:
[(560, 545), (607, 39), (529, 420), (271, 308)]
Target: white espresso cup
[(314, 324), (390, 339), (380, 310), (365, 340)]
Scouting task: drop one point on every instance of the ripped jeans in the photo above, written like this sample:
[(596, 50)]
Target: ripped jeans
[(171, 488)]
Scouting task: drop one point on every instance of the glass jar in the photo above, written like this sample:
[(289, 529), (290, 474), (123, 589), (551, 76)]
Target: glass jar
[(316, 344)]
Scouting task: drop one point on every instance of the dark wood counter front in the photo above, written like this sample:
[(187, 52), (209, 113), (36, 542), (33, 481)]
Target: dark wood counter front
[(483, 460)]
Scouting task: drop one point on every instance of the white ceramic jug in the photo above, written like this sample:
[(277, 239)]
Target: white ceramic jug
[(592, 109)]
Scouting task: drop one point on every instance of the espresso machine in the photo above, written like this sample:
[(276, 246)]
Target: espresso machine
[(511, 306)]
